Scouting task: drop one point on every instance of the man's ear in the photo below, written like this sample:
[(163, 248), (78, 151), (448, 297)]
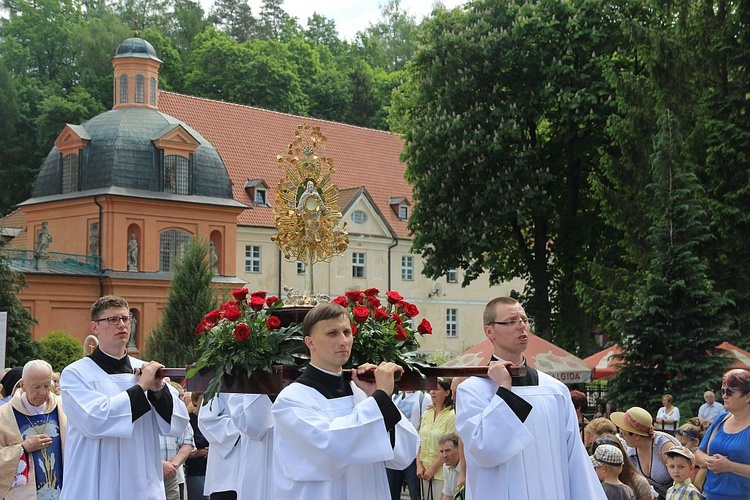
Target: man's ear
[(308, 342)]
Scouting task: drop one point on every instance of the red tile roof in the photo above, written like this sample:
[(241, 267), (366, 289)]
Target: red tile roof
[(248, 140)]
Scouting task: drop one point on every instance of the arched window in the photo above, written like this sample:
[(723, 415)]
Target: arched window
[(124, 88), (152, 95), (69, 173), (140, 89), (176, 175), (172, 245)]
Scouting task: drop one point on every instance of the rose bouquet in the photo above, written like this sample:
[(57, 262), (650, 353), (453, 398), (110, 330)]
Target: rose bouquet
[(384, 331), (246, 335)]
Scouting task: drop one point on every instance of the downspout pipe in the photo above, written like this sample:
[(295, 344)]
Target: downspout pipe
[(101, 232), (395, 244)]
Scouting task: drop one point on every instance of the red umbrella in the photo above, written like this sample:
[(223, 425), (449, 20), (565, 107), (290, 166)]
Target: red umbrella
[(605, 366), (540, 354)]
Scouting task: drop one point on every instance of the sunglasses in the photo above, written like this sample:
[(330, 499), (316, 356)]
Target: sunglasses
[(600, 442), (728, 391), (686, 432)]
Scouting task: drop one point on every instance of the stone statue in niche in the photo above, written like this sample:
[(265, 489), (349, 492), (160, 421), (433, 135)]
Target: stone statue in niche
[(94, 238), (132, 253), (213, 258), (133, 331)]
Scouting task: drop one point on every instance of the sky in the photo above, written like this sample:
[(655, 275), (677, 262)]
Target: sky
[(350, 16)]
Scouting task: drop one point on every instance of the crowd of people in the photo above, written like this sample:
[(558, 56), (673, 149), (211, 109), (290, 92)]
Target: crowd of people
[(114, 428)]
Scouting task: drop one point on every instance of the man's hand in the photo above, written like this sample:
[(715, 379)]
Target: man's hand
[(148, 378), (168, 469), (498, 372), (36, 442), (384, 377)]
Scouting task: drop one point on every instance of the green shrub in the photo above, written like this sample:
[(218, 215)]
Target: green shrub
[(60, 349)]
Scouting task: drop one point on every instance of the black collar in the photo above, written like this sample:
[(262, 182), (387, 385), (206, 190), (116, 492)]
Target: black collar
[(109, 364), (531, 377), (330, 386)]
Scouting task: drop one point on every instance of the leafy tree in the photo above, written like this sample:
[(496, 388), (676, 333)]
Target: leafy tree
[(171, 72), (392, 41), (55, 112), (141, 14), (676, 315), (272, 19), (173, 341), (236, 19), (18, 345), (322, 31), (502, 113), (362, 105), (9, 117), (188, 20), (59, 349)]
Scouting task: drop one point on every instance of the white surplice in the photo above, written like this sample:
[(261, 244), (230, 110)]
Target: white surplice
[(541, 458), (251, 413), (223, 465), (107, 455), (335, 449)]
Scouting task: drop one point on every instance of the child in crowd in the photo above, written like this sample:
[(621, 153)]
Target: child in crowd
[(680, 465), (607, 461)]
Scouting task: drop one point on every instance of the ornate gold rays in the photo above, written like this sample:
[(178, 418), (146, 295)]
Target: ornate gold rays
[(306, 211)]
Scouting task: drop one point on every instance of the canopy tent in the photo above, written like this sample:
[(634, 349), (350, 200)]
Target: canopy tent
[(605, 366), (540, 354)]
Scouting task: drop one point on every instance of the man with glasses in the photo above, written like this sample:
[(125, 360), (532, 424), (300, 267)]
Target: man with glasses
[(710, 409), (117, 406), (518, 426)]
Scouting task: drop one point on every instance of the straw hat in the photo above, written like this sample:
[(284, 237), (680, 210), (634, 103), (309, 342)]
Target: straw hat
[(635, 420)]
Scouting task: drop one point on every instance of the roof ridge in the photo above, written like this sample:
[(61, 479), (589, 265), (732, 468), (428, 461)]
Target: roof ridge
[(323, 120)]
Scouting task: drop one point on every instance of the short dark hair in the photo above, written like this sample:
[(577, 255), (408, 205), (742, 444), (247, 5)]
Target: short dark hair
[(107, 302), (321, 312), (739, 379), (579, 400), (489, 309), (451, 436)]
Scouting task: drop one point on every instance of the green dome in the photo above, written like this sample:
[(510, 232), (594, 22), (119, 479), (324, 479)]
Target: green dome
[(121, 153), (136, 47)]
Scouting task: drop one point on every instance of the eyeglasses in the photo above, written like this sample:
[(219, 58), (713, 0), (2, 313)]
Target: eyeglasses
[(728, 391), (514, 323), (114, 320)]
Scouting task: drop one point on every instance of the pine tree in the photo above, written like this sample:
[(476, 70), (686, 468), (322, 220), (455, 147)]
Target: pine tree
[(19, 348), (670, 335), (173, 342)]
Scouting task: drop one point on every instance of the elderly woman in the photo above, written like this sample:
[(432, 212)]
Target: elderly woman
[(725, 449), (668, 416), (645, 447)]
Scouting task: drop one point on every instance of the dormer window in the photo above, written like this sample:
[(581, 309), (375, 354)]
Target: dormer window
[(400, 206), (257, 192), (260, 196), (176, 175)]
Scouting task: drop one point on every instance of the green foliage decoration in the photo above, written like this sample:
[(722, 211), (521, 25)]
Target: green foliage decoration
[(60, 349)]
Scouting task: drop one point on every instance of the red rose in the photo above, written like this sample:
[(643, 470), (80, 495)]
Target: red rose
[(393, 297), (398, 319), (361, 313), (229, 304), (231, 311), (241, 332), (202, 327), (341, 300), (380, 314), (259, 293), (273, 323), (425, 328), (400, 332), (271, 300), (257, 302), (355, 296), (213, 317), (240, 294), (410, 309), (354, 329), (373, 302), (371, 292)]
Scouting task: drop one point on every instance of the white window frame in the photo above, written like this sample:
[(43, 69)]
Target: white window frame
[(261, 197), (359, 265), (359, 217), (451, 276), (407, 268), (451, 323), (252, 259), (403, 212), (301, 268)]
